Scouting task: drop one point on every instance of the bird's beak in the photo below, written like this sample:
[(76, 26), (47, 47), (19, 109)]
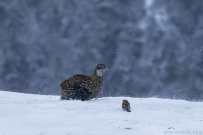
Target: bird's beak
[(106, 69)]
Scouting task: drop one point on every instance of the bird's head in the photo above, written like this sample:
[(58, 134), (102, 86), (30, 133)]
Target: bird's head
[(125, 101), (100, 68)]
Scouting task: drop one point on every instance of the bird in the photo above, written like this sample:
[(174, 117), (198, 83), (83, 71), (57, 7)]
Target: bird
[(126, 105), (83, 87)]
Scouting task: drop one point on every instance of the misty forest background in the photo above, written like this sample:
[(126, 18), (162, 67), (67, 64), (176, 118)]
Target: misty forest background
[(152, 48)]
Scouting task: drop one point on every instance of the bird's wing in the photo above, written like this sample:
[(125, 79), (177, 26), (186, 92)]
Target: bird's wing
[(76, 79)]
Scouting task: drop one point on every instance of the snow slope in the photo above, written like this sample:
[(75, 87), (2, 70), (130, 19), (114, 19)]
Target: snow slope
[(27, 114)]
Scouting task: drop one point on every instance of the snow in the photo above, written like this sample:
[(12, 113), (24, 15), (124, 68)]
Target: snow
[(27, 114)]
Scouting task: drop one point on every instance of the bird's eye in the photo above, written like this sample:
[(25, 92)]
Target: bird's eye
[(100, 66)]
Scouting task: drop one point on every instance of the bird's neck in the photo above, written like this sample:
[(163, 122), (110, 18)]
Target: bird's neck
[(97, 73)]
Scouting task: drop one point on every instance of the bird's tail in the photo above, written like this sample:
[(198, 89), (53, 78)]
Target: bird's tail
[(128, 110)]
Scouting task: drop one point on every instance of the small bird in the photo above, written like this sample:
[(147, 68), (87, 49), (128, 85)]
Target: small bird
[(83, 87), (126, 105)]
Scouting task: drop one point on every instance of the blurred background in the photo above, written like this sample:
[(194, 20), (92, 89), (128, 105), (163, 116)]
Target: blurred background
[(153, 48)]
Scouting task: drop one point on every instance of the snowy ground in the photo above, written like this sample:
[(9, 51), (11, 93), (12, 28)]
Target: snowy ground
[(26, 114)]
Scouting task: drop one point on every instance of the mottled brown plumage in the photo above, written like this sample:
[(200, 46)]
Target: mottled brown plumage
[(83, 87), (126, 105)]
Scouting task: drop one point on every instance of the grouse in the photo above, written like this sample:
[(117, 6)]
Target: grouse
[(83, 87), (126, 105)]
